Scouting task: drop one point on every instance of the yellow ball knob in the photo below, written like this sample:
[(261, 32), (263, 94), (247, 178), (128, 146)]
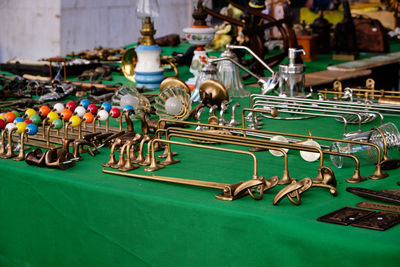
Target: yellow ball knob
[(75, 121), (21, 127), (30, 112), (52, 116)]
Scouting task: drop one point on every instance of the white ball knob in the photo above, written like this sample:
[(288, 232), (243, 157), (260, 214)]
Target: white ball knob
[(174, 106), (80, 111), (103, 115), (58, 107), (10, 126)]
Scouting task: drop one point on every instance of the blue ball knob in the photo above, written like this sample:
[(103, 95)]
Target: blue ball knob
[(106, 106), (85, 103), (31, 129)]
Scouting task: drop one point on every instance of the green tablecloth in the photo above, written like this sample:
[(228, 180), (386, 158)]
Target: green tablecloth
[(83, 217)]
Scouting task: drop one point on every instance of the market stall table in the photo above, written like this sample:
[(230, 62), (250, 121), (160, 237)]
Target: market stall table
[(83, 217)]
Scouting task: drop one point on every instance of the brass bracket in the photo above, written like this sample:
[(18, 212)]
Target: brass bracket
[(230, 191), (295, 189)]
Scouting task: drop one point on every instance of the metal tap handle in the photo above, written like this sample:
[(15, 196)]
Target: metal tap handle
[(201, 110), (348, 94), (224, 107), (212, 110), (292, 54), (233, 122), (252, 53)]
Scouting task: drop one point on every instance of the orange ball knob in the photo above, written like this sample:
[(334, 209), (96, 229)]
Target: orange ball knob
[(88, 117), (44, 110), (66, 114), (10, 117)]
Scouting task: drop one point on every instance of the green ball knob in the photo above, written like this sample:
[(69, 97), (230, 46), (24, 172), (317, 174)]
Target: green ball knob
[(35, 118), (57, 123)]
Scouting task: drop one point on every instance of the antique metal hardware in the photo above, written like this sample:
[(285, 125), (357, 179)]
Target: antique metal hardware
[(378, 174), (3, 142), (295, 189), (128, 166), (351, 116), (285, 179), (378, 206), (112, 159), (233, 122), (283, 109), (230, 191), (59, 158), (78, 145), (386, 163), (272, 111), (378, 221), (345, 216), (154, 166), (368, 93), (366, 113), (10, 153), (224, 107), (245, 141), (198, 115), (36, 157), (272, 144), (212, 118), (266, 84), (373, 194)]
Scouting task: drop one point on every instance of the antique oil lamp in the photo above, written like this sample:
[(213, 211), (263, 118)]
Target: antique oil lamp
[(148, 70), (199, 34)]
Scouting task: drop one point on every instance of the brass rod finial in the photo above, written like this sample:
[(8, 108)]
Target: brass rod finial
[(148, 32)]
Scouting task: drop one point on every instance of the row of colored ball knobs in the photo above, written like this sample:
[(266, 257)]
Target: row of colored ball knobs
[(71, 112)]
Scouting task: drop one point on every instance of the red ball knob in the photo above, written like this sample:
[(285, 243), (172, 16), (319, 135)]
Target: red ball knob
[(92, 108), (71, 105), (115, 112)]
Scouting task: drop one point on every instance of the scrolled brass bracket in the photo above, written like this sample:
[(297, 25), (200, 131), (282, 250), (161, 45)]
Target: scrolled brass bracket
[(295, 189)]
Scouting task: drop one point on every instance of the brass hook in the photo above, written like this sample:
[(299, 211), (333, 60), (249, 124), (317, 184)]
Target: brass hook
[(10, 153), (112, 161), (128, 162)]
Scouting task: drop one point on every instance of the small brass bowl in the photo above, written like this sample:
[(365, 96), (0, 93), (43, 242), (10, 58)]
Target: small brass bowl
[(216, 89)]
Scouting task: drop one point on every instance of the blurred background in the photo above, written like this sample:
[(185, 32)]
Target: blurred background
[(33, 29)]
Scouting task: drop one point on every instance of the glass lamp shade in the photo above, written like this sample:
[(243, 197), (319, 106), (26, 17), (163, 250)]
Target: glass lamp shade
[(209, 72), (367, 154), (147, 8), (129, 95), (229, 75), (173, 103)]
